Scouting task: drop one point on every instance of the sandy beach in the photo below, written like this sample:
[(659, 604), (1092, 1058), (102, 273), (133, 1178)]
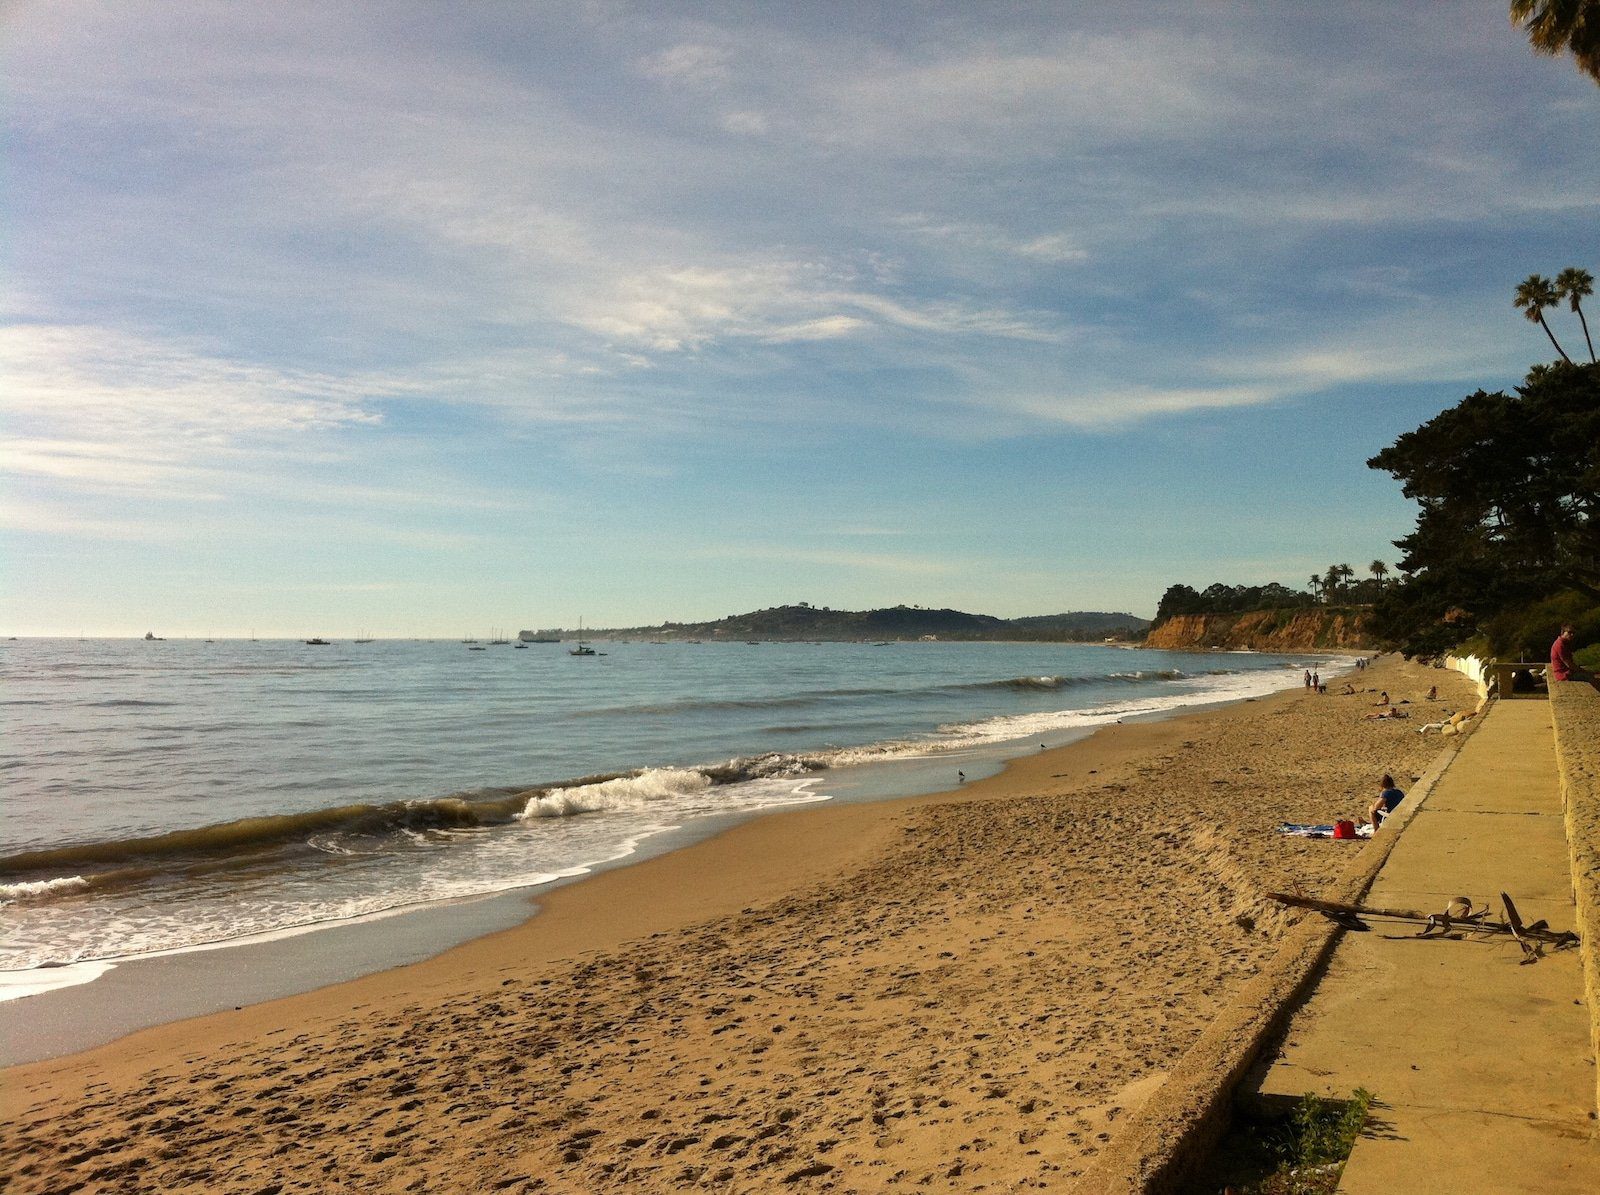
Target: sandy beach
[(968, 991)]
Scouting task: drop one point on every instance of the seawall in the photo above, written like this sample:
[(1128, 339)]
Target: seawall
[(1575, 710)]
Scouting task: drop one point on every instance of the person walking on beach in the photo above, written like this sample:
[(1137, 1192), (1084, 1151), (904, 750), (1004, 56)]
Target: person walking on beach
[(1562, 666), (1386, 803), (1308, 678)]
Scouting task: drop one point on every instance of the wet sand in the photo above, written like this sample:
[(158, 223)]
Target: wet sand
[(967, 991)]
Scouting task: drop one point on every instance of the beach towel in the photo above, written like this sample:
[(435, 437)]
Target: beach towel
[(1324, 830)]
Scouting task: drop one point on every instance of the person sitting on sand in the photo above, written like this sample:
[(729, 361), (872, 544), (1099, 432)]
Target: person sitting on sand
[(1396, 712), (1383, 697), (1386, 803), (1433, 693), (1349, 690)]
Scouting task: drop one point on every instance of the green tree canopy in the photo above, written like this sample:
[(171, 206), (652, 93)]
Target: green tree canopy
[(1218, 598), (1509, 490)]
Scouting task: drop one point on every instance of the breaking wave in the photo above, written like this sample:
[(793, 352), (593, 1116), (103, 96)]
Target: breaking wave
[(1068, 682), (350, 830), (36, 889)]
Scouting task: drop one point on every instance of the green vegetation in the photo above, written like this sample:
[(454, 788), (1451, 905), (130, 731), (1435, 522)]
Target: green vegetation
[(1507, 542), (1337, 588), (1303, 1155), (1218, 598)]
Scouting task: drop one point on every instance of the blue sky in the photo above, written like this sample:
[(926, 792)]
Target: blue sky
[(425, 318)]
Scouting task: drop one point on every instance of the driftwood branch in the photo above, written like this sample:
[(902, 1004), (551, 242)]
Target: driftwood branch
[(1458, 916)]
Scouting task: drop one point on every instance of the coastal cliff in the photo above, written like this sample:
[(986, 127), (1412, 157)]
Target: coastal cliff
[(1266, 630)]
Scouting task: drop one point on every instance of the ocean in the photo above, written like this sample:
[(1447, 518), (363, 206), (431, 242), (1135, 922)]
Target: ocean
[(172, 795)]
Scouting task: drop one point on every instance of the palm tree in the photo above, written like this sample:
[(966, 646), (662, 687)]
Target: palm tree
[(1557, 25), (1330, 582), (1534, 294), (1346, 575), (1316, 586), (1574, 285), (1379, 571)]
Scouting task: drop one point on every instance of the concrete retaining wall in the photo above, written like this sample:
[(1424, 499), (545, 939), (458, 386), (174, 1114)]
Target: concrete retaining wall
[(1575, 708), (1181, 1123), (1474, 669)]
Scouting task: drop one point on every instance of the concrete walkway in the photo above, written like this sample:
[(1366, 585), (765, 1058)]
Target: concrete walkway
[(1482, 1068)]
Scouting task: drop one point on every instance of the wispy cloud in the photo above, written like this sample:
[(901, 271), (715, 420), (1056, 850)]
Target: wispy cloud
[(688, 64), (115, 383), (58, 519), (432, 274)]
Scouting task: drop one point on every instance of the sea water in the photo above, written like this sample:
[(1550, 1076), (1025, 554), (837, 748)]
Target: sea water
[(170, 794)]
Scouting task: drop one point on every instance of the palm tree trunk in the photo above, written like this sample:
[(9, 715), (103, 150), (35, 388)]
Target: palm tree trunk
[(1585, 324), (1554, 341)]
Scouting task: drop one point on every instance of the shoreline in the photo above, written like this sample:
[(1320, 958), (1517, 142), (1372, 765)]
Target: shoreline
[(834, 919), (521, 907), (131, 993)]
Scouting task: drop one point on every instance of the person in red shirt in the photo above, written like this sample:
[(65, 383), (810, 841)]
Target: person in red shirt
[(1561, 665)]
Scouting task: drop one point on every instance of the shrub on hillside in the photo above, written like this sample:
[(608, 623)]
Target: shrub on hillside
[(1526, 633)]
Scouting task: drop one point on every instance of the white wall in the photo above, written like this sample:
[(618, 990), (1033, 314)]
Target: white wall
[(1474, 669)]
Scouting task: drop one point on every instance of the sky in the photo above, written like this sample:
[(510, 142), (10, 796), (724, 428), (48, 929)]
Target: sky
[(425, 319)]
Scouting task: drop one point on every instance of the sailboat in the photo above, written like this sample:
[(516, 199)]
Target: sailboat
[(583, 649)]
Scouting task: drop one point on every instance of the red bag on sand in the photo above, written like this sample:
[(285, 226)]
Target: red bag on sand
[(1344, 829)]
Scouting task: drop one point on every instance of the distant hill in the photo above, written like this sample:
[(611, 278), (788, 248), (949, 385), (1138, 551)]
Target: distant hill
[(1096, 621), (897, 622)]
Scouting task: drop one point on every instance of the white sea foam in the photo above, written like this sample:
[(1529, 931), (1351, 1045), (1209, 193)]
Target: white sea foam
[(1174, 696), (645, 806), (650, 787), (34, 889), (14, 985)]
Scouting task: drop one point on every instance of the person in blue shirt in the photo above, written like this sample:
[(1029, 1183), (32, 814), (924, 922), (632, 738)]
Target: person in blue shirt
[(1386, 803)]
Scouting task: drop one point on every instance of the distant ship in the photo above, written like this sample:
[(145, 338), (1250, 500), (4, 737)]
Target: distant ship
[(317, 642), (151, 637), (550, 636)]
